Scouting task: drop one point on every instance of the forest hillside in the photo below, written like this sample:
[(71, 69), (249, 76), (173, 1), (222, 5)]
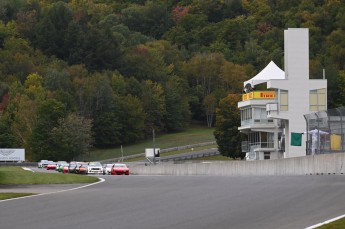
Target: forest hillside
[(77, 74)]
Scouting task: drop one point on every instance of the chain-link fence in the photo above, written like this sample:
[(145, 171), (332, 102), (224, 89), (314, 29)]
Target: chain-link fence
[(325, 131)]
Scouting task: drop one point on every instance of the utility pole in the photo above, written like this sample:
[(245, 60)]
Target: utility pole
[(153, 146), (121, 154)]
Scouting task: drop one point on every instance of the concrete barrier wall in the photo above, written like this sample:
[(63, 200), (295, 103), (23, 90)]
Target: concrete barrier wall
[(319, 164), (19, 164)]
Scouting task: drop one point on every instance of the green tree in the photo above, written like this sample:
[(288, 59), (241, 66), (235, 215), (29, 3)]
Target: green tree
[(107, 130), (118, 84), (75, 42), (185, 33), (203, 72), (342, 88), (333, 87), (7, 139), (232, 9), (210, 104), (52, 28), (6, 31), (103, 48), (217, 10), (152, 19), (127, 37), (336, 48), (65, 98), (23, 118), (20, 113), (57, 79), (234, 33), (34, 87), (132, 117), (178, 36), (40, 143), (27, 20), (134, 87), (226, 133), (9, 9), (340, 18), (18, 58), (232, 77), (145, 62), (154, 105), (254, 54), (95, 95), (178, 115), (71, 138)]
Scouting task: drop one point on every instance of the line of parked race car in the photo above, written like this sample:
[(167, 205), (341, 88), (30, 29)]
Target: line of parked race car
[(93, 167)]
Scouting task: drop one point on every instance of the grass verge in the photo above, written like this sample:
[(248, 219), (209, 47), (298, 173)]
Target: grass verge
[(172, 153), (339, 224), (192, 135), (16, 175), (11, 195)]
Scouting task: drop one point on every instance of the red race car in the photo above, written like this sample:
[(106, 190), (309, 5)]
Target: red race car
[(119, 169), (51, 166)]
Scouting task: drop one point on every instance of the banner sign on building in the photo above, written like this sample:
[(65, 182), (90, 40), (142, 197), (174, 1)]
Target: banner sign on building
[(12, 154), (259, 95)]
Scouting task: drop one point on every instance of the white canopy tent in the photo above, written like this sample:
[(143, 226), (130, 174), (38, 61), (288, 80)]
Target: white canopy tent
[(271, 71)]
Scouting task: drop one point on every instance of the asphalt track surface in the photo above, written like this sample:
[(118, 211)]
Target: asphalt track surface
[(183, 202)]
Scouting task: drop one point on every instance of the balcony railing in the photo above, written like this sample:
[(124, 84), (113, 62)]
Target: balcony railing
[(256, 121), (247, 146), (259, 95)]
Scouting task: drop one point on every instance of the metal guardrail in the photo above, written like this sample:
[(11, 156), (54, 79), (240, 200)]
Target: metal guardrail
[(162, 151), (189, 157), (246, 145)]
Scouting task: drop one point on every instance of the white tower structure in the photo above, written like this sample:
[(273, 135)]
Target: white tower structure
[(294, 96)]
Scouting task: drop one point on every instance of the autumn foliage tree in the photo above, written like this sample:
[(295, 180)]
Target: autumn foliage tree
[(226, 133)]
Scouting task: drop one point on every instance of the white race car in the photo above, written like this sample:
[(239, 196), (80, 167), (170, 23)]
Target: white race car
[(107, 169), (94, 167)]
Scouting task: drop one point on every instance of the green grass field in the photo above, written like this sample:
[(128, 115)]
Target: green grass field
[(339, 224), (192, 135), (10, 195), (16, 175)]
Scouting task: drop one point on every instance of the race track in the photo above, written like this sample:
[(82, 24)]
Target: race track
[(189, 202)]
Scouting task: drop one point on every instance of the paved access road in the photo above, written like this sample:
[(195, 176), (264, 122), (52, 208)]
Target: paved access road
[(172, 202)]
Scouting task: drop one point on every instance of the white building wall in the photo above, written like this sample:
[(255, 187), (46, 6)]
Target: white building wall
[(298, 84), (297, 65)]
